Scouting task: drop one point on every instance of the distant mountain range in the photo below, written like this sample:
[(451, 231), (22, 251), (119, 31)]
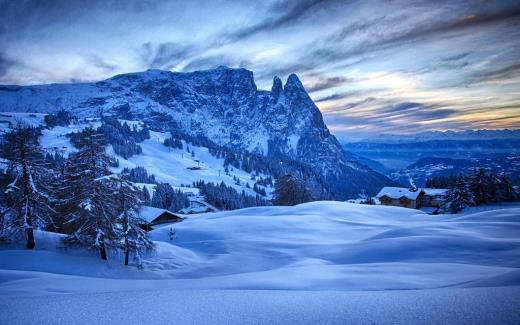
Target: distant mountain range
[(430, 167), (398, 155), (421, 156), (445, 135), (222, 105)]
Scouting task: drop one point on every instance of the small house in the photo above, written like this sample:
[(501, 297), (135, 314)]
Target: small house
[(413, 198), (400, 196), (154, 216)]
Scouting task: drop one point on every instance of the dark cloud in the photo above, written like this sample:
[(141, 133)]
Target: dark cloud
[(281, 14), (503, 73), (164, 55), (456, 57), (414, 111), (330, 51), (327, 83), (100, 63), (336, 96), (348, 106), (355, 28)]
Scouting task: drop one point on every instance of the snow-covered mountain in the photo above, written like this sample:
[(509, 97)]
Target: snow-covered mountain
[(222, 105)]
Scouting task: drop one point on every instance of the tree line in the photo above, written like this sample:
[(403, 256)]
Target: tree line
[(476, 188)]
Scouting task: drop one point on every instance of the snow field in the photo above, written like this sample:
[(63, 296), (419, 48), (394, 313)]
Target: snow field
[(313, 246)]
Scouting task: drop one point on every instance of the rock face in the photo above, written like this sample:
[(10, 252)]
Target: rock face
[(223, 104)]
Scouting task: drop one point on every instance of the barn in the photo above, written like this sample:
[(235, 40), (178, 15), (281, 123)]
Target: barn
[(153, 216)]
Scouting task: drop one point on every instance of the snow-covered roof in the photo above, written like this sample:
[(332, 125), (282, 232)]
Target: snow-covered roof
[(149, 214), (399, 192), (435, 191)]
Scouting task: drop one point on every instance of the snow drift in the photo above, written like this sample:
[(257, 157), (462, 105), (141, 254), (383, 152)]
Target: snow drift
[(314, 246)]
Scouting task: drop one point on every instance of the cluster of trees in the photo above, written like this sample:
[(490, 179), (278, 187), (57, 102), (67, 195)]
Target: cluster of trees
[(165, 197), (60, 118), (441, 181), (139, 175), (259, 190), (123, 138), (478, 188), (173, 142), (81, 198), (291, 190), (226, 197)]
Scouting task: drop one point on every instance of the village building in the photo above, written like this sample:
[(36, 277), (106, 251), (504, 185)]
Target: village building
[(413, 198), (154, 216)]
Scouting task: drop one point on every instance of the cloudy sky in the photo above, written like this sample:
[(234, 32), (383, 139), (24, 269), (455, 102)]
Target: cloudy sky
[(371, 66)]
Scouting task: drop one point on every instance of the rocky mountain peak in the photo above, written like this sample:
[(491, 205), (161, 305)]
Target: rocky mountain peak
[(294, 84)]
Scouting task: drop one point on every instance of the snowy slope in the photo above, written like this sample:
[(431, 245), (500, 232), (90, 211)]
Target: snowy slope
[(169, 165), (172, 165)]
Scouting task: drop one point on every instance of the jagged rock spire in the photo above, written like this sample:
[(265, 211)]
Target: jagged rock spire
[(293, 83), (277, 88)]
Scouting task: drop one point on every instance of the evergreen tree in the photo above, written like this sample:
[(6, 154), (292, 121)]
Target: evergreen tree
[(135, 239), (459, 196), (89, 204), (145, 196), (478, 185), (504, 190), (165, 197), (291, 190), (28, 200)]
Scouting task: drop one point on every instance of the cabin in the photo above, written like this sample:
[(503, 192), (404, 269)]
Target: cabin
[(154, 216), (413, 198)]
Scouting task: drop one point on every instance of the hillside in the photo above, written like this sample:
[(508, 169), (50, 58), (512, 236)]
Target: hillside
[(175, 166), (221, 105)]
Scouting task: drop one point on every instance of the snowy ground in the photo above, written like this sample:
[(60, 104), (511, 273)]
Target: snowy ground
[(322, 262), (440, 306)]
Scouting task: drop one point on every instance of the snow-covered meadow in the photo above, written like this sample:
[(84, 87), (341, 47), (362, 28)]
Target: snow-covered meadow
[(329, 261)]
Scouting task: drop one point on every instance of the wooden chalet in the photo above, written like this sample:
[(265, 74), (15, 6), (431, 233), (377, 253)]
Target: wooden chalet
[(154, 216), (412, 198)]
